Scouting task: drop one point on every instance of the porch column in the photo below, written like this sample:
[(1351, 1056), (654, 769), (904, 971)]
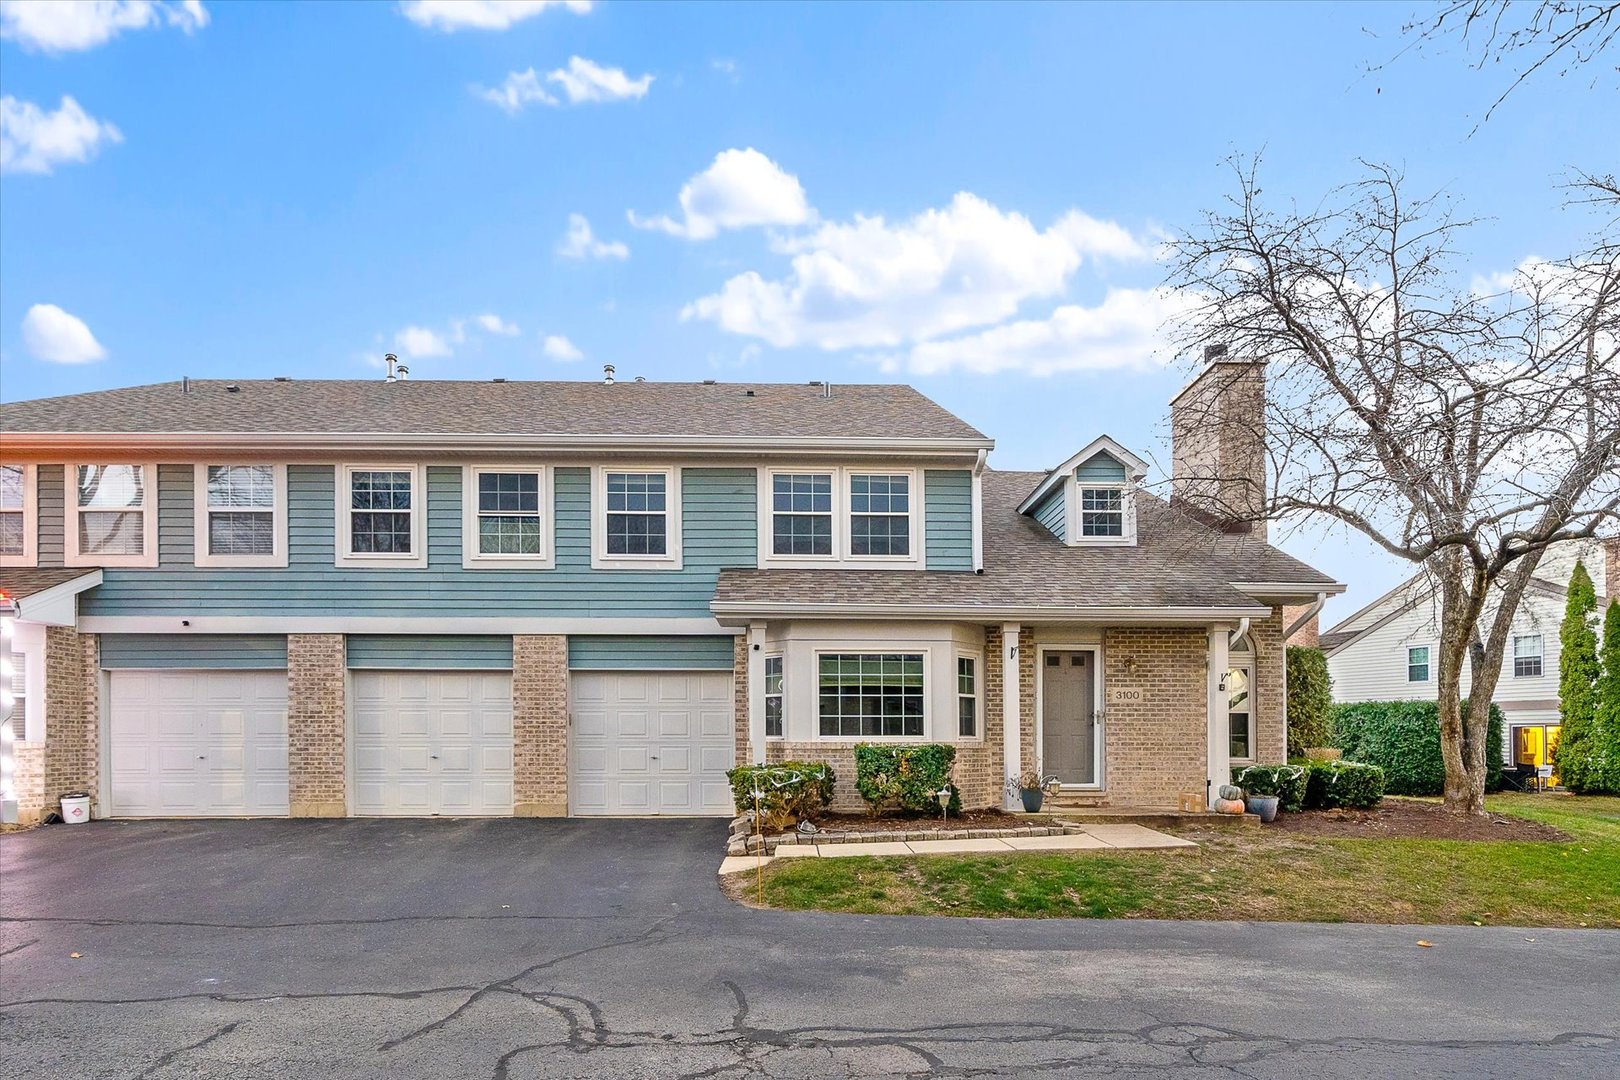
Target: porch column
[(1220, 747), (756, 692), (1011, 734)]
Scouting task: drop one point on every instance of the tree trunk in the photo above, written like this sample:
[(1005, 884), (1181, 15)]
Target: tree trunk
[(1461, 747)]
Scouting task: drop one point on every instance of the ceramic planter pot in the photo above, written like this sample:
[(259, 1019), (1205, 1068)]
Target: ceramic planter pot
[(1264, 805), (1033, 797)]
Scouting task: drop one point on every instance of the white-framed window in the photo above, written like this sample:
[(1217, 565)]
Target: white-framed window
[(871, 695), (507, 517), (1526, 655), (967, 697), (240, 515), (1417, 663), (19, 518), (112, 515), (1240, 711), (802, 514), (880, 515), (773, 697), (1102, 512), (13, 680), (636, 518), (381, 515)]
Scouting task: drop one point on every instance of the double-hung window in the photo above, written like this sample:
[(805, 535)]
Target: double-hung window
[(773, 697), (381, 514), (17, 525), (241, 515), (871, 694), (967, 697), (1526, 655), (507, 522), (1102, 512), (113, 516), (880, 515), (1417, 663), (638, 519), (802, 514)]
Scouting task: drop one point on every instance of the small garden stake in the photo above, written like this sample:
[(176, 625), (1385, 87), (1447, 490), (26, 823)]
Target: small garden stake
[(759, 854)]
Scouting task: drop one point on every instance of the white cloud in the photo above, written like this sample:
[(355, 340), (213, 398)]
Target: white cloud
[(579, 242), (742, 188), (452, 15), (1123, 331), (557, 347), (54, 335), (870, 284), (582, 82), (58, 26), (494, 324), (34, 141), (418, 341)]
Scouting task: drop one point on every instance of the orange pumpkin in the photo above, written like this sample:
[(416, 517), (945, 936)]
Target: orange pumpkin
[(1229, 806)]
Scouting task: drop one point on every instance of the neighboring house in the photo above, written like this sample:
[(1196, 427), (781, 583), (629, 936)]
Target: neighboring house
[(323, 598), (1387, 650)]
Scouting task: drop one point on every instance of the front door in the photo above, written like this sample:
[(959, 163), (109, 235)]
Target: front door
[(1069, 717)]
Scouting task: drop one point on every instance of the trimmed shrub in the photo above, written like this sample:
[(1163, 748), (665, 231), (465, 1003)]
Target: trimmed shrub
[(1310, 699), (907, 777), (1354, 784), (794, 791), (1403, 739), (1287, 782)]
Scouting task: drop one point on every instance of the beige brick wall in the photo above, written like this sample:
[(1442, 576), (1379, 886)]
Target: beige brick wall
[(1156, 737), (1270, 687), (72, 750), (1309, 635), (316, 692), (739, 699), (540, 725), (28, 779)]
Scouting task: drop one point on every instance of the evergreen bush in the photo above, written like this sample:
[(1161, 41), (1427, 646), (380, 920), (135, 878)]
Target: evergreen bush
[(1352, 784), (1287, 782), (1582, 758), (793, 791), (907, 777), (1310, 699), (1403, 739)]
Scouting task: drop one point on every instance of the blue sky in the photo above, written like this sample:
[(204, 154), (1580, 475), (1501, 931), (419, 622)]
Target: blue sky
[(963, 197)]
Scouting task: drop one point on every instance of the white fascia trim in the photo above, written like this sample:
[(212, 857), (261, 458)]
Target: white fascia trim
[(1136, 469), (29, 556), (392, 442), (1282, 589), (411, 624), (672, 557), (57, 606), (200, 511), (471, 557), (71, 556), (729, 611), (342, 554)]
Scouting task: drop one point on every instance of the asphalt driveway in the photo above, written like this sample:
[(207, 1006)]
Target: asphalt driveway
[(513, 948)]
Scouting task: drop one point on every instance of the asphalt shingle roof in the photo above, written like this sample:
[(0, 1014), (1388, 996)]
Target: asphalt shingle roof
[(1177, 562), (20, 582), (452, 407)]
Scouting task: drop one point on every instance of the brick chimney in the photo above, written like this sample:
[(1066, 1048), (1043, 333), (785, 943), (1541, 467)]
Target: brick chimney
[(1218, 444)]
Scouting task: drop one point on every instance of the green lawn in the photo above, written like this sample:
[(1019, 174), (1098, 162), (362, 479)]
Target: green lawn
[(1249, 874)]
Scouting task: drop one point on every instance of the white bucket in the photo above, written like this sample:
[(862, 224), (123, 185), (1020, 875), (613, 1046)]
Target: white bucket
[(75, 809)]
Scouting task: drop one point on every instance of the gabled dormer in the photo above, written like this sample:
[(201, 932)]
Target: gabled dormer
[(1090, 500)]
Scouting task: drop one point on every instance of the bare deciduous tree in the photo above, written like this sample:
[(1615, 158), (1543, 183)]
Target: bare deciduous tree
[(1464, 424)]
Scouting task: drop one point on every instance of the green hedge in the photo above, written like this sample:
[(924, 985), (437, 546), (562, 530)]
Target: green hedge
[(1403, 738), (1310, 700), (1332, 784), (1287, 782), (793, 791), (907, 777)]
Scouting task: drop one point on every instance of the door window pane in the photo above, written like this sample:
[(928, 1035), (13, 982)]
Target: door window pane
[(1240, 712)]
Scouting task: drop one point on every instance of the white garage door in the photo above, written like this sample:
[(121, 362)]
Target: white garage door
[(650, 742), (432, 742), (198, 743)]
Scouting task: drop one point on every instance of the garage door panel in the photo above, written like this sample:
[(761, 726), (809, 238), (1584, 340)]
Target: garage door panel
[(650, 742), (197, 743), (432, 743)]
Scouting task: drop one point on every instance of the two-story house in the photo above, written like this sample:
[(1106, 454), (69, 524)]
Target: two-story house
[(1387, 650), (322, 598)]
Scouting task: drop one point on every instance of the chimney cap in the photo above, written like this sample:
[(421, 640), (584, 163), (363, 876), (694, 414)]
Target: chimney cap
[(1214, 352)]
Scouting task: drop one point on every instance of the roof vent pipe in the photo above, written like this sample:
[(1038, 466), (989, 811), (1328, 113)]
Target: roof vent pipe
[(390, 359), (607, 374), (185, 384), (404, 372), (826, 389)]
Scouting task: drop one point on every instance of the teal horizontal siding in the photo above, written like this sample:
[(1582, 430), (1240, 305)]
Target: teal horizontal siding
[(948, 517), (612, 653), (1101, 468), (1052, 513), (719, 530), (488, 652), (193, 651)]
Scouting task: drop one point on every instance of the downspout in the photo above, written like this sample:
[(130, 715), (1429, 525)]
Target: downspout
[(1241, 633), (978, 512), (1310, 613)]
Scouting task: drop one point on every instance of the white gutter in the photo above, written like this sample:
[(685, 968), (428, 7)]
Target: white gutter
[(738, 610), (1289, 588), (978, 511), (1238, 635), (1309, 614)]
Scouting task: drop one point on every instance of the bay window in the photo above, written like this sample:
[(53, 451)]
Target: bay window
[(773, 697), (866, 695)]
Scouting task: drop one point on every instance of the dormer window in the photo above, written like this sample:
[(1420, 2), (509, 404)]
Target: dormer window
[(1090, 499), (1102, 511)]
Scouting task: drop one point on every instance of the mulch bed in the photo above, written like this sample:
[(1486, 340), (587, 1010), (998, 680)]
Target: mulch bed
[(1408, 819), (967, 819)]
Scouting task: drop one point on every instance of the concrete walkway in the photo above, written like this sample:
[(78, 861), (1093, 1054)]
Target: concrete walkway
[(1089, 838)]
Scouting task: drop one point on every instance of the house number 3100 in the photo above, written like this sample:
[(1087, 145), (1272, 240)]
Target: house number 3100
[(1121, 694)]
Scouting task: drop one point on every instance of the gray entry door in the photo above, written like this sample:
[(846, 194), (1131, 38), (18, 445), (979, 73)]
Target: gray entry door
[(1068, 717)]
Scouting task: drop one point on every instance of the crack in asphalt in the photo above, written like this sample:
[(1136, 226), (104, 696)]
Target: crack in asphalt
[(309, 924), (19, 948), (167, 1059)]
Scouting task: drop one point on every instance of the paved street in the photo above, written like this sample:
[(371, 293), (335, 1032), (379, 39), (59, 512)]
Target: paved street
[(520, 948)]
